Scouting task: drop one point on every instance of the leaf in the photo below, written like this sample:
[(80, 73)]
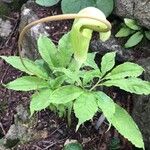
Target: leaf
[(126, 126), (65, 94), (55, 83), (132, 24), (124, 32), (105, 6), (47, 3), (108, 62), (85, 107), (65, 51), (74, 145), (47, 50), (134, 39), (104, 36), (69, 74), (90, 61), (105, 103), (27, 83), (126, 69), (147, 34), (40, 100), (31, 67), (75, 5), (132, 85), (90, 75)]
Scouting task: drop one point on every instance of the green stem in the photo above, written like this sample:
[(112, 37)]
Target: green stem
[(97, 83)]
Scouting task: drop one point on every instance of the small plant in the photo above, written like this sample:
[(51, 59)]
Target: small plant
[(74, 6), (66, 78), (132, 29)]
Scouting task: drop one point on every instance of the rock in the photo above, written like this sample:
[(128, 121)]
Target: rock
[(22, 131), (141, 109), (29, 48), (4, 9), (5, 28), (135, 9)]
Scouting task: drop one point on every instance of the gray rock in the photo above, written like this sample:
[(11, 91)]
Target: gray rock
[(5, 28), (29, 48), (135, 9), (141, 110)]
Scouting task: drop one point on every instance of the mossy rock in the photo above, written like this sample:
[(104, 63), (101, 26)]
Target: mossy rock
[(4, 9)]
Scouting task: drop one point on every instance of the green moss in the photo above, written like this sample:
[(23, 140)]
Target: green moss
[(4, 9)]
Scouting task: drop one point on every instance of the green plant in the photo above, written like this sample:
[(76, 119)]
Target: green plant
[(132, 29), (76, 5), (66, 77)]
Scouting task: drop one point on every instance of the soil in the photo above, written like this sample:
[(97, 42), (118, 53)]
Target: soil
[(57, 129)]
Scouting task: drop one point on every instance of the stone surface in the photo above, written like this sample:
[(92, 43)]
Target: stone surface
[(30, 40), (135, 9), (22, 131), (141, 110), (114, 44), (5, 28)]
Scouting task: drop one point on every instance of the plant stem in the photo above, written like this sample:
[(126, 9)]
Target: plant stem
[(95, 85), (99, 122)]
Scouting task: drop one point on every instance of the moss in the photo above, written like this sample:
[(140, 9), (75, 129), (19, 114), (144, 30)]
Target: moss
[(4, 9)]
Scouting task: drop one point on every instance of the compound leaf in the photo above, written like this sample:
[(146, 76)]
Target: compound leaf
[(85, 107), (108, 62), (123, 122), (40, 100), (30, 67), (126, 69), (134, 39), (132, 85), (65, 94), (27, 83)]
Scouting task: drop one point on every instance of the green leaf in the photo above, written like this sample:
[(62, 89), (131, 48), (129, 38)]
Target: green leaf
[(31, 67), (104, 36), (73, 146), (126, 126), (55, 83), (124, 32), (65, 51), (75, 5), (69, 74), (147, 34), (134, 39), (105, 103), (27, 83), (132, 24), (108, 62), (90, 61), (65, 94), (47, 3), (40, 100), (106, 6), (47, 50), (85, 107), (90, 75), (132, 85), (126, 69)]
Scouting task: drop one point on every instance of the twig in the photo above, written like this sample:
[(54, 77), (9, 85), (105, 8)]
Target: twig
[(1, 125)]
